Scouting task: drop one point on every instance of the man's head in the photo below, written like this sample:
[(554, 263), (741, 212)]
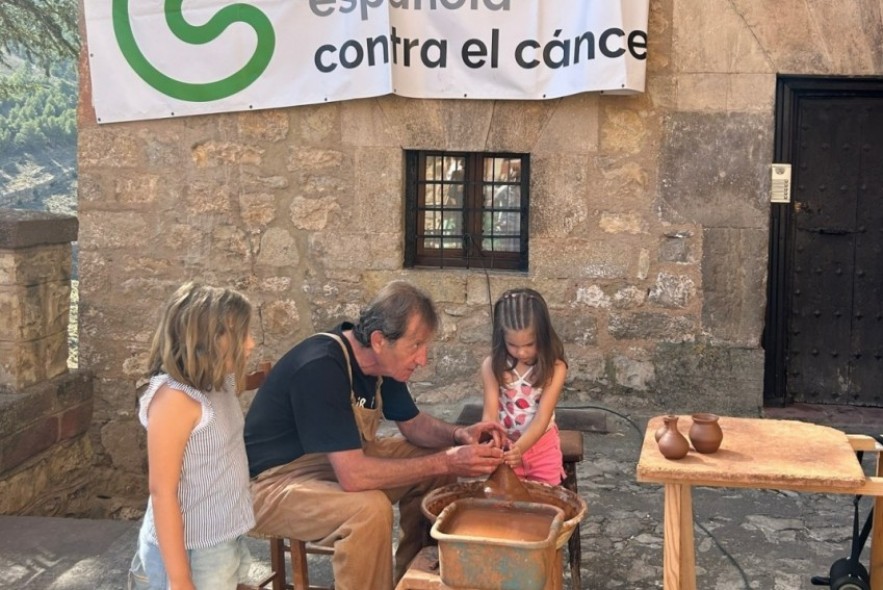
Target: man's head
[(398, 325)]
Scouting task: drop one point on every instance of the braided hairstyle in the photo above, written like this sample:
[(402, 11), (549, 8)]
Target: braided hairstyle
[(521, 309)]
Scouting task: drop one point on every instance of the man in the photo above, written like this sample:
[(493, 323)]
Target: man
[(319, 471)]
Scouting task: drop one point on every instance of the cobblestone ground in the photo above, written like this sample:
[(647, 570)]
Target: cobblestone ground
[(757, 539)]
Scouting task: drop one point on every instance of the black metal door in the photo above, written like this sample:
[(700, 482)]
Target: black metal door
[(831, 275)]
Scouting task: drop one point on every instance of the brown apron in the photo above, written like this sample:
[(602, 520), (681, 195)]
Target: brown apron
[(367, 419)]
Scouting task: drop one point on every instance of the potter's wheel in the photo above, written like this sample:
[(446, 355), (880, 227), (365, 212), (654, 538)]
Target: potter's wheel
[(572, 504)]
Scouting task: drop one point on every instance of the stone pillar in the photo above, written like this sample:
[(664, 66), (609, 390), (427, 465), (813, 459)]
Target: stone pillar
[(35, 288)]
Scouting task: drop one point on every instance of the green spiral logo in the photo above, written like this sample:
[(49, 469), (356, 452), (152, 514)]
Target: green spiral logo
[(197, 35)]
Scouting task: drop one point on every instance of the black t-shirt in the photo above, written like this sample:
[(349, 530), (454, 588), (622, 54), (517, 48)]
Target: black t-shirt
[(304, 404)]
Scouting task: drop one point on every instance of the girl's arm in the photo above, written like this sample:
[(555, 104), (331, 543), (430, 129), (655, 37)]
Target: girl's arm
[(540, 422), (491, 409), (171, 417)]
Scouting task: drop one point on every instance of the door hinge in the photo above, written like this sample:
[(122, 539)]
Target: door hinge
[(780, 185)]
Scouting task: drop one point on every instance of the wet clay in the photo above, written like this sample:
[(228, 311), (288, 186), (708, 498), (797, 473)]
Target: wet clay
[(499, 523), (503, 484)]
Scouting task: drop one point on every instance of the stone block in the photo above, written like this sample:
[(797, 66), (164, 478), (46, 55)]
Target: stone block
[(575, 327), (314, 214), (702, 92), (712, 36), (17, 409), (364, 124), (25, 363), (652, 326), (105, 147), (564, 184), (21, 228), (34, 312), (709, 165), (703, 377), (466, 124), (734, 275), (678, 247), (584, 259), (378, 182), (75, 421), (269, 125), (572, 128), (278, 249), (517, 125), (672, 291), (17, 447), (35, 264), (215, 154), (418, 124)]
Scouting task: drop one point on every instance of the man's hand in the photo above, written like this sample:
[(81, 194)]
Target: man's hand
[(473, 460), (489, 432)]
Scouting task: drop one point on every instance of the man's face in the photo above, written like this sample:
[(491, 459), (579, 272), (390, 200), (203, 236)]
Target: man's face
[(399, 359)]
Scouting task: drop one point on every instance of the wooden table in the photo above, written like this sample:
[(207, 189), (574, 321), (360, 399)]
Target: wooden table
[(763, 454)]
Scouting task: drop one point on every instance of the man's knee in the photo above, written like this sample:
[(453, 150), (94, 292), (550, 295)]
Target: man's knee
[(374, 509)]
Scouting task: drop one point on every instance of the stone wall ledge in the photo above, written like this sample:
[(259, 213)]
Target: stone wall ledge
[(34, 419), (20, 228)]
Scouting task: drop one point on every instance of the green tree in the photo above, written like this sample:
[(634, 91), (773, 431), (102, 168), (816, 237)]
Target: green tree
[(43, 30)]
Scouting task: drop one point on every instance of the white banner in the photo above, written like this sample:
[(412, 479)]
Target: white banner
[(168, 58)]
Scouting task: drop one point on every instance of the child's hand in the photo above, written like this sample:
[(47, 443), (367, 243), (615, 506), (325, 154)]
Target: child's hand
[(512, 456)]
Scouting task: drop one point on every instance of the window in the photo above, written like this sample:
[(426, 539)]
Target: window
[(466, 210)]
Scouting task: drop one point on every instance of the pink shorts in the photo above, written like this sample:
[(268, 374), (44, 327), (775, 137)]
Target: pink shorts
[(543, 461)]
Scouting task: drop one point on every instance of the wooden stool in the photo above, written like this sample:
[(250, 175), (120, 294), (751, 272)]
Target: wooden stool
[(300, 572), (300, 575), (572, 453)]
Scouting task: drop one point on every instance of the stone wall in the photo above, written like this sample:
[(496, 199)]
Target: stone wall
[(45, 410), (649, 217)]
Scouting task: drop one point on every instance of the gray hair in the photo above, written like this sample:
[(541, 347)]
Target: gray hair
[(391, 310)]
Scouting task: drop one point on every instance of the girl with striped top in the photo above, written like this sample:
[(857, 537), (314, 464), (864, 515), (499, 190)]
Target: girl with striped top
[(199, 509)]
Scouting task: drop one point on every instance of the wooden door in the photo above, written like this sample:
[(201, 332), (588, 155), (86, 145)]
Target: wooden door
[(828, 338)]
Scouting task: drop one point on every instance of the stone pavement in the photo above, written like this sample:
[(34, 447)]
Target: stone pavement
[(758, 539)]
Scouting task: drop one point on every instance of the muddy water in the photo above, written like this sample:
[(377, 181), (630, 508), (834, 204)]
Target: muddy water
[(498, 523)]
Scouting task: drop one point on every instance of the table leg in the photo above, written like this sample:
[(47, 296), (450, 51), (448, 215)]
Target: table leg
[(679, 561), (876, 567)]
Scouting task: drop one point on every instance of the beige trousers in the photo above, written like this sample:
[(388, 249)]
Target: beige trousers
[(303, 500)]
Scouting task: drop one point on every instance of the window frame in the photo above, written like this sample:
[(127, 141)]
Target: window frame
[(471, 254)]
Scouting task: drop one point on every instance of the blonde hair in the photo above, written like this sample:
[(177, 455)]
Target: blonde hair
[(201, 329)]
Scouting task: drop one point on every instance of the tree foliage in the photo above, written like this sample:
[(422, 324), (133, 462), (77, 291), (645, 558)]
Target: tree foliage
[(42, 31), (41, 112), (39, 45)]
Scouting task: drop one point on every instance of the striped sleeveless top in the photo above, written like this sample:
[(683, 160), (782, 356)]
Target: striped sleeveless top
[(213, 491)]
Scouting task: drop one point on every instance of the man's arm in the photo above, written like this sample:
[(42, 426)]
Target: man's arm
[(357, 472), (425, 430)]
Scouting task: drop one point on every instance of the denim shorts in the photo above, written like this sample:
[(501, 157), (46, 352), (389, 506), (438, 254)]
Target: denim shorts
[(220, 567)]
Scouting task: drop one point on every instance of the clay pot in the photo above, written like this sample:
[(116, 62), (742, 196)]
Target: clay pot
[(672, 444), (705, 433), (503, 484)]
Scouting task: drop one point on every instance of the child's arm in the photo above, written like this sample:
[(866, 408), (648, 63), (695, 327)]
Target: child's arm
[(171, 417), (491, 410), (540, 421)]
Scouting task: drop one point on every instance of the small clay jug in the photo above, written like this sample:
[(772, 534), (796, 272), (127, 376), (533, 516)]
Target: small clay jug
[(672, 444), (503, 484), (661, 430), (705, 433)]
